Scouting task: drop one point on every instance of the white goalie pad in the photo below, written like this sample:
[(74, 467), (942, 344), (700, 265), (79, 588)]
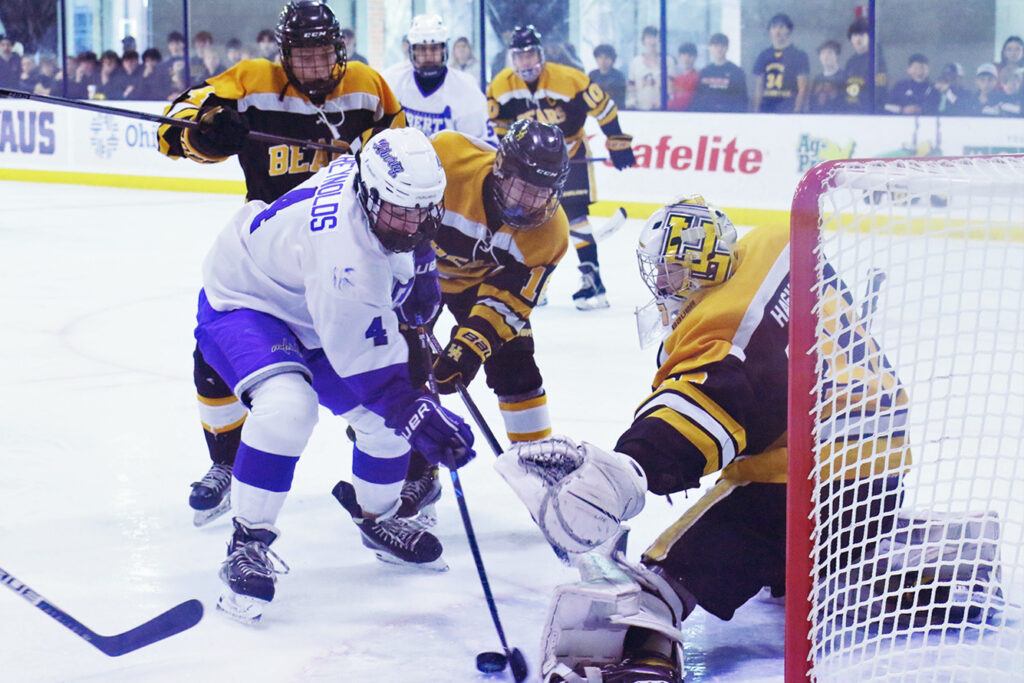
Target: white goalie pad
[(577, 494), (587, 621)]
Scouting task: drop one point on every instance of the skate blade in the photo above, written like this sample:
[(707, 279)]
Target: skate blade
[(438, 565), (204, 517), (242, 608), (593, 303)]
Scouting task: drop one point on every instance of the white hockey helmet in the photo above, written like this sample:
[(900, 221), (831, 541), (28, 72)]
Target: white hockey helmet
[(685, 246), (426, 32), (401, 186)]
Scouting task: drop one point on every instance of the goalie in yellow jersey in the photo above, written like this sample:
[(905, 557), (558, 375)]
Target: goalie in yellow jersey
[(534, 88), (313, 94)]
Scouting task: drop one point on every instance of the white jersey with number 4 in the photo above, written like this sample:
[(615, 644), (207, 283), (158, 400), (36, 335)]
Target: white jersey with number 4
[(458, 104), (311, 260)]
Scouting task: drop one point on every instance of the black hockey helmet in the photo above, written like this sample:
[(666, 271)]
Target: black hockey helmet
[(311, 23), (524, 40), (530, 169)]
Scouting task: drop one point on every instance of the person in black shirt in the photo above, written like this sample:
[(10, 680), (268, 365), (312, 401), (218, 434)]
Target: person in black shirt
[(721, 85), (864, 93), (953, 95), (610, 79), (829, 87), (917, 94), (781, 71), (987, 101), (10, 63)]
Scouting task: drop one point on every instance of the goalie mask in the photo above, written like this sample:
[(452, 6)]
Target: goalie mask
[(529, 173), (428, 45), (312, 52), (684, 247), (401, 187), (527, 53)]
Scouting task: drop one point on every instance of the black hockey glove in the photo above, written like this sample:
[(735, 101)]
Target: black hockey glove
[(460, 360), (222, 132), (620, 149), (424, 299), (433, 431)]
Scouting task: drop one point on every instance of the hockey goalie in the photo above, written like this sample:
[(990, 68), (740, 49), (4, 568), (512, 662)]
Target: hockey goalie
[(719, 406)]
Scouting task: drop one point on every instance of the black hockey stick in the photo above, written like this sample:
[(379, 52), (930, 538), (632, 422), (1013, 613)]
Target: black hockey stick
[(175, 620), (486, 662), (466, 398), (167, 120)]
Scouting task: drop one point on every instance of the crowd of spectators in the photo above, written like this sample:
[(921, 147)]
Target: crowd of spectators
[(781, 74)]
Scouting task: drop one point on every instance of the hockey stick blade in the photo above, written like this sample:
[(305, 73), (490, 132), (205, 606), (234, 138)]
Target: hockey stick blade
[(612, 225), (173, 621)]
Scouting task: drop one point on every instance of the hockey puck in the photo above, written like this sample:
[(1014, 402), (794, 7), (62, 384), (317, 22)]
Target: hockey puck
[(490, 662)]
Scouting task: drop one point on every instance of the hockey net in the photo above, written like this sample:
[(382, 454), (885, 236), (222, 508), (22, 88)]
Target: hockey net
[(906, 423)]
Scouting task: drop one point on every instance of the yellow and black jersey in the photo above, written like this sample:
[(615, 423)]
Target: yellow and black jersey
[(508, 267), (259, 89), (719, 398), (561, 95)]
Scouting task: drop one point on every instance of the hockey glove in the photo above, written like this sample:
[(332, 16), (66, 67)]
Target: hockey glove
[(222, 132), (434, 431), (424, 299), (620, 149), (461, 359)]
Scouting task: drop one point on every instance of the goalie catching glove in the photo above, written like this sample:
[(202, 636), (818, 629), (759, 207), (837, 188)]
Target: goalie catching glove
[(222, 132), (620, 149), (577, 494)]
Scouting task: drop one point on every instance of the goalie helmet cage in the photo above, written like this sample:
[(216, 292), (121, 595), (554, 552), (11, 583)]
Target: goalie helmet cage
[(910, 269)]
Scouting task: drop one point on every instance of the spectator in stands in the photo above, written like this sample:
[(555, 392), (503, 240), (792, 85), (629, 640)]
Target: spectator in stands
[(607, 77), (953, 96), (128, 44), (643, 86), (721, 85), (828, 89), (500, 60), (47, 75), (561, 52), (152, 82), (781, 71), (232, 52), (1012, 53), (212, 65), (202, 45), (986, 101), (82, 83), (266, 45), (463, 58), (28, 73), (684, 83), (10, 64), (348, 36), (864, 94), (132, 72), (175, 61), (1010, 78), (917, 94), (111, 82)]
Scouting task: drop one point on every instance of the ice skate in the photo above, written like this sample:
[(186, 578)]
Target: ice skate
[(653, 669), (249, 571), (393, 539), (211, 495), (421, 490), (591, 294)]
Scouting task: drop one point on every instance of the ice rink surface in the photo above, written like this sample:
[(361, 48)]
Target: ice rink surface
[(100, 438)]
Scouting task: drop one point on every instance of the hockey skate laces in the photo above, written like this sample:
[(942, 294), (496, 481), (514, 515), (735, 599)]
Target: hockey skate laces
[(258, 559), (218, 477)]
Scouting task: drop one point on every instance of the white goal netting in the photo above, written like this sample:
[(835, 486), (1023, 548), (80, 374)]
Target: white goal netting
[(915, 494)]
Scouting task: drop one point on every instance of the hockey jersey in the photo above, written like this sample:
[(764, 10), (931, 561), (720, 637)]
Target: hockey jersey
[(457, 104), (719, 398), (510, 267), (311, 260), (259, 89), (561, 95)]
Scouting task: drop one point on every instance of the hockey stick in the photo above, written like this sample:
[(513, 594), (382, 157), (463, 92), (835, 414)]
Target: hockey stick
[(175, 620), (612, 225), (466, 398), (486, 662), (166, 120)]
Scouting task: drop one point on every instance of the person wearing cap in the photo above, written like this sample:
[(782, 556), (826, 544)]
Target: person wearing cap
[(864, 94), (986, 101), (916, 94), (953, 96), (781, 71), (721, 85)]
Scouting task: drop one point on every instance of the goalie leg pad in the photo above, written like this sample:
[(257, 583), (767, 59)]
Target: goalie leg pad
[(577, 494), (587, 621)]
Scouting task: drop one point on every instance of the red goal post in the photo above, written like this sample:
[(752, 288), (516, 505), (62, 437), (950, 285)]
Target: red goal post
[(906, 421)]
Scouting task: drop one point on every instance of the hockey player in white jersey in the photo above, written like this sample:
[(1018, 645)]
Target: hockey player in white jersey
[(434, 97), (296, 311)]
